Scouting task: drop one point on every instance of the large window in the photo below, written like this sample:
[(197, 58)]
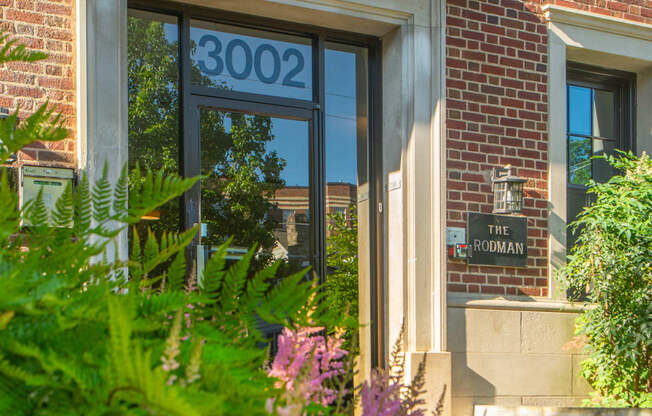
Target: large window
[(599, 120), (276, 117)]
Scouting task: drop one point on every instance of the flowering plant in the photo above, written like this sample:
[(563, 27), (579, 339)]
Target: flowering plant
[(312, 372)]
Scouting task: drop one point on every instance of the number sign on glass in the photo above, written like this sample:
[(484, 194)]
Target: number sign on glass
[(249, 60)]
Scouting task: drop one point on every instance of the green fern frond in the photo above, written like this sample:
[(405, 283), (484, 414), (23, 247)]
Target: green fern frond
[(10, 52), (14, 398), (234, 282), (163, 303), (258, 286), (150, 250), (102, 196), (121, 194), (156, 394), (37, 212), (213, 274), (63, 209), (83, 208), (154, 255), (287, 298), (152, 191), (177, 272), (41, 126), (9, 215), (135, 261), (18, 373), (120, 348)]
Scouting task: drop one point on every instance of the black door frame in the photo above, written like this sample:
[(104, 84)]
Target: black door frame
[(193, 96)]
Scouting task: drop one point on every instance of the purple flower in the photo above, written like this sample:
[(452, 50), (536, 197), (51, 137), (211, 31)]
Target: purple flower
[(305, 361), (380, 397)]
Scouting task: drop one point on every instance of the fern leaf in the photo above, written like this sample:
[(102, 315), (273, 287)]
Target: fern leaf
[(63, 209), (120, 349), (42, 125), (258, 286), (14, 398), (9, 215), (234, 282), (213, 274), (177, 272), (287, 298), (151, 249), (10, 52), (102, 196), (152, 191), (37, 212), (83, 209), (121, 194), (172, 242)]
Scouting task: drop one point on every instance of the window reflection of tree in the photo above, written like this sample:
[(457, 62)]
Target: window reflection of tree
[(242, 175)]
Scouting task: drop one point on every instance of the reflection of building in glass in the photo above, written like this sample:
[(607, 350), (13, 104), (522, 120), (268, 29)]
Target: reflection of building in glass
[(293, 215)]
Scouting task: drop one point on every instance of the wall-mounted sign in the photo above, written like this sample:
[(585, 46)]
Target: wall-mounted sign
[(52, 181), (497, 240)]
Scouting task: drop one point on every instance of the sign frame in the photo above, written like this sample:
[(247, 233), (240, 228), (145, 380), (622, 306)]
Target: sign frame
[(496, 239)]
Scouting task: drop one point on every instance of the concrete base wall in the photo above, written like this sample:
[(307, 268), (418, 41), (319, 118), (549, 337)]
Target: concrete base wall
[(513, 358)]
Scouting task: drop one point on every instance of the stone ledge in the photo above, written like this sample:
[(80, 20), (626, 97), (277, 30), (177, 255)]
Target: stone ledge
[(481, 410), (514, 304)]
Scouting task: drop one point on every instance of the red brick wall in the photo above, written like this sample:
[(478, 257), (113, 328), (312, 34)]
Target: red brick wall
[(496, 75), (45, 26), (635, 10), (497, 115)]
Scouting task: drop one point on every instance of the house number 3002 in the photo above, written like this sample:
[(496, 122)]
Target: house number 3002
[(251, 61)]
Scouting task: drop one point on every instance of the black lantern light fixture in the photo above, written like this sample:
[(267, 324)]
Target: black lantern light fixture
[(508, 191)]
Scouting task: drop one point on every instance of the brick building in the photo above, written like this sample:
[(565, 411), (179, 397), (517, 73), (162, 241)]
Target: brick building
[(414, 102)]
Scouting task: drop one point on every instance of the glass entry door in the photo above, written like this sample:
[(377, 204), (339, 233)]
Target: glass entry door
[(257, 187), (280, 120)]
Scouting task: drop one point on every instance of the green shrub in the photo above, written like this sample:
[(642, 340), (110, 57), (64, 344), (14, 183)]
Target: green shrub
[(612, 264), (85, 333)]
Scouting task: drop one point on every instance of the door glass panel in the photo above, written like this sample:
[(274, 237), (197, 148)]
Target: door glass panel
[(579, 110), (153, 100), (257, 185), (251, 60), (347, 187)]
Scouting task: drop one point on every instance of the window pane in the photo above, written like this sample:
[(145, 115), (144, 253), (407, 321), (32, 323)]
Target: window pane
[(250, 60), (602, 170), (579, 110), (347, 188), (604, 114), (153, 99), (579, 160), (257, 190)]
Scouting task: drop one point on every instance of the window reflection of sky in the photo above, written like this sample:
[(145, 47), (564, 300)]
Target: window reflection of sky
[(579, 110), (341, 115)]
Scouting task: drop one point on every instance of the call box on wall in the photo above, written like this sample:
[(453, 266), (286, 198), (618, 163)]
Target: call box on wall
[(53, 181)]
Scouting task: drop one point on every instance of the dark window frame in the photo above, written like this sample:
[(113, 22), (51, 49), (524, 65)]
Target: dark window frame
[(623, 84), (193, 96)]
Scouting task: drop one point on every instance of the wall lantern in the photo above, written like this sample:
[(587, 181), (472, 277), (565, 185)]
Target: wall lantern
[(508, 191)]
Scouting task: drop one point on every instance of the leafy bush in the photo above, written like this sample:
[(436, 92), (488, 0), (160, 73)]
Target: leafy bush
[(612, 264), (84, 333)]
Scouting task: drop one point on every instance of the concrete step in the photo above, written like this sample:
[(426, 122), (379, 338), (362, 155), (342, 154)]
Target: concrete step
[(483, 410)]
